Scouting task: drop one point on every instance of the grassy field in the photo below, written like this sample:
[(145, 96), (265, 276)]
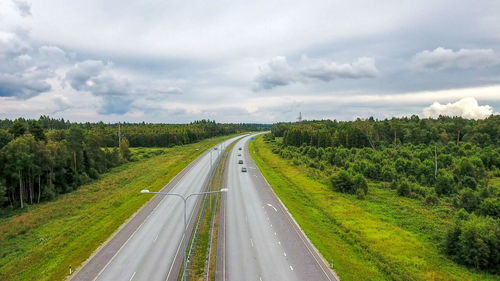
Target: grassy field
[(384, 237), (41, 243)]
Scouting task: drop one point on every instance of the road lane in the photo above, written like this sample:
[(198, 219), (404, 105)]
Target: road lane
[(261, 240), (152, 251)]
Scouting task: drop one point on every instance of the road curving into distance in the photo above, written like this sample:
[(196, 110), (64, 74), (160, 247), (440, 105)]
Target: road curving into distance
[(259, 240), (148, 246)]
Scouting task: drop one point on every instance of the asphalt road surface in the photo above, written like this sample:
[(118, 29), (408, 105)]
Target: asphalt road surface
[(260, 241), (148, 246)]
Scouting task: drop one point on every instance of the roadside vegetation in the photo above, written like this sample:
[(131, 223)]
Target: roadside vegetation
[(203, 255), (41, 159), (44, 240), (369, 196)]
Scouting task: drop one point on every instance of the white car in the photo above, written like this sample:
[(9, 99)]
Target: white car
[(243, 169)]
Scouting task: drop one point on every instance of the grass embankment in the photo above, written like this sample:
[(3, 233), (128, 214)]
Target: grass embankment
[(43, 242), (208, 227), (383, 237)]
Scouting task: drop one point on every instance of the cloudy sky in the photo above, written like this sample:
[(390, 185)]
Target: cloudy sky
[(177, 61)]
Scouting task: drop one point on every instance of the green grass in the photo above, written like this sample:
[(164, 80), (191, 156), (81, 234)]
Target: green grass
[(384, 237), (141, 153), (42, 242), (202, 239)]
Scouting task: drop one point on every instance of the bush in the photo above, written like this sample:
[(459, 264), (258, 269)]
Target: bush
[(418, 191), (489, 207), (360, 194), (475, 242), (468, 200), (387, 173), (431, 200), (444, 183), (349, 182), (360, 183), (403, 187)]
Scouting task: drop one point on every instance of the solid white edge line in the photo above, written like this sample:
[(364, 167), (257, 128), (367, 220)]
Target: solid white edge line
[(301, 233)]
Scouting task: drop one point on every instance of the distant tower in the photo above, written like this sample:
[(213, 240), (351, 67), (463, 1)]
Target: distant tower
[(300, 117)]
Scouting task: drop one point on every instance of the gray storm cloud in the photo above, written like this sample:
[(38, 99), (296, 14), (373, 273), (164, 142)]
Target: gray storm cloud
[(21, 75), (95, 77), (185, 68), (23, 7), (441, 58), (278, 72)]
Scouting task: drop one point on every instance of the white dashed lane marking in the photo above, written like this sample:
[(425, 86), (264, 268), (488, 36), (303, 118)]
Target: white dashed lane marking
[(272, 207)]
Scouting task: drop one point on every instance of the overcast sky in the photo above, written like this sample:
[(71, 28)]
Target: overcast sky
[(175, 61)]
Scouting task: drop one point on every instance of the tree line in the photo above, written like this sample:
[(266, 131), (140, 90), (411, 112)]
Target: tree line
[(40, 159), (449, 160)]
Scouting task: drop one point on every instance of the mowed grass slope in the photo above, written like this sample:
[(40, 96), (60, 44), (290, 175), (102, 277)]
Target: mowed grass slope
[(41, 244), (384, 237)]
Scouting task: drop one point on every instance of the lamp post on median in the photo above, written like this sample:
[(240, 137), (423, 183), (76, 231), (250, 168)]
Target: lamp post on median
[(184, 199)]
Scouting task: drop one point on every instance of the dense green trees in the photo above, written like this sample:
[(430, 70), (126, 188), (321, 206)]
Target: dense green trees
[(42, 158), (396, 131), (437, 161), (475, 241)]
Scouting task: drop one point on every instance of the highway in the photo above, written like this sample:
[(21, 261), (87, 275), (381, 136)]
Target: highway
[(148, 246), (259, 240)]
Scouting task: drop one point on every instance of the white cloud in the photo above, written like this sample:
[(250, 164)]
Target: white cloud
[(324, 70), (441, 58), (278, 72), (23, 7), (466, 107), (195, 59)]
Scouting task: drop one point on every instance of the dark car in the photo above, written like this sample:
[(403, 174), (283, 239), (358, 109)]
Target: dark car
[(240, 162), (239, 148)]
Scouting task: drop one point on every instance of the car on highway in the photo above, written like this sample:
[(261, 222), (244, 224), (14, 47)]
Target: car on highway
[(240, 162), (239, 154), (239, 148), (243, 169)]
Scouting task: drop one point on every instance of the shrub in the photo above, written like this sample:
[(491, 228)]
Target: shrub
[(360, 194), (418, 191), (444, 183), (387, 173), (360, 183), (431, 200), (312, 153), (475, 242), (489, 207), (349, 182), (467, 199), (403, 187)]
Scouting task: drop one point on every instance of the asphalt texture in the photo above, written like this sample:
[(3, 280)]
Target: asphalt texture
[(150, 246), (259, 239)]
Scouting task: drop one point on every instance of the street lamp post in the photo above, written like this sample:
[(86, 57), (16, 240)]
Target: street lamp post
[(184, 199)]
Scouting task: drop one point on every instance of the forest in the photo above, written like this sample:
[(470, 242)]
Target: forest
[(448, 160), (40, 159)]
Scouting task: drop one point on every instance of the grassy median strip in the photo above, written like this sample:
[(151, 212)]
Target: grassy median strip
[(43, 242), (202, 258), (384, 237)]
